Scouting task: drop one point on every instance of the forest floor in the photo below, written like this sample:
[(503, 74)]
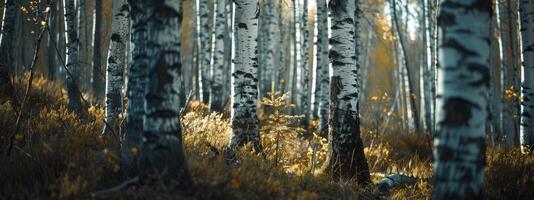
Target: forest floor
[(56, 154)]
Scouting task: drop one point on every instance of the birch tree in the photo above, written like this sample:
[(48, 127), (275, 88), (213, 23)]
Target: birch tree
[(526, 10), (305, 93), (162, 135), (269, 45), (53, 38), (323, 81), (347, 159), (132, 138), (7, 38), (464, 79), (115, 65), (217, 95), (98, 82), (244, 76), (204, 40), (73, 65)]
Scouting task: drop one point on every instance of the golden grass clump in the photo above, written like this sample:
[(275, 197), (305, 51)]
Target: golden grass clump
[(58, 155)]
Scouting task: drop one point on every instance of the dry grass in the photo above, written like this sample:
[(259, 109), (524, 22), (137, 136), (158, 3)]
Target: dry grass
[(59, 155)]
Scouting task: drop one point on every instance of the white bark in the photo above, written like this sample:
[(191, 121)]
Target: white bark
[(162, 135), (72, 59), (115, 65), (526, 9), (244, 76), (464, 79), (132, 138), (217, 94), (304, 90), (269, 44), (204, 37), (7, 38), (347, 159), (323, 81)]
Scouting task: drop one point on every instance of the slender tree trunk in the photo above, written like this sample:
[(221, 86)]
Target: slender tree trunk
[(504, 72), (137, 78), (162, 137), (526, 9), (53, 38), (427, 90), (304, 91), (323, 82), (269, 44), (516, 71), (72, 60), (245, 81), (347, 159), (433, 37), (411, 92), (464, 79), (7, 59), (203, 15), (217, 96), (98, 82), (116, 64)]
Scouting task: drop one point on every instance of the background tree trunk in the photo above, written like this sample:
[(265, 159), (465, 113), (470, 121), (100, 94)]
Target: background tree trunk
[(347, 159), (132, 138), (98, 82), (323, 82), (217, 94), (116, 64), (6, 45), (204, 36), (53, 38), (304, 82), (459, 148), (72, 60)]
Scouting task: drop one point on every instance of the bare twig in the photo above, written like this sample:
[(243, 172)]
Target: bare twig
[(186, 104), (116, 188)]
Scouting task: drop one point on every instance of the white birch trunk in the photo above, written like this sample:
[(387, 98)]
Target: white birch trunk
[(204, 37), (304, 90), (73, 65), (269, 44), (217, 95), (132, 138), (162, 135), (347, 159), (526, 9), (7, 38), (464, 84), (116, 64), (323, 71), (244, 76)]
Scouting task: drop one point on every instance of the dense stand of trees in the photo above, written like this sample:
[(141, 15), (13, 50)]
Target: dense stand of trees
[(455, 75)]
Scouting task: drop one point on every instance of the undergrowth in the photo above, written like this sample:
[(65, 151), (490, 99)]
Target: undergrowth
[(58, 155)]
